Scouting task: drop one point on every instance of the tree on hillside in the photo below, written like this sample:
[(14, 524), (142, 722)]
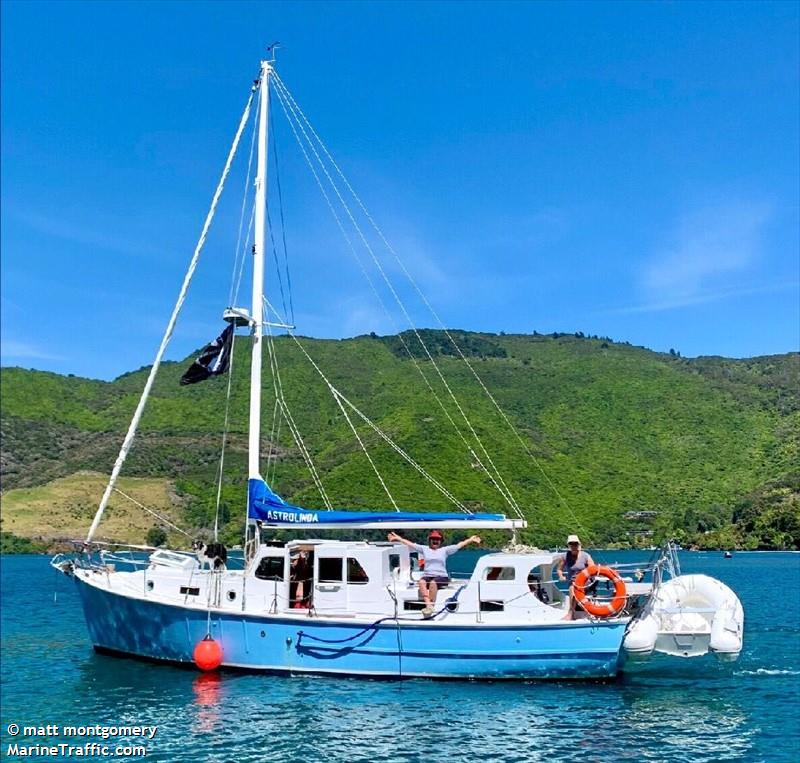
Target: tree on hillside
[(156, 536)]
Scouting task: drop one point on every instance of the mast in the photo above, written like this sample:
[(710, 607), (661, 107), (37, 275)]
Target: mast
[(254, 446)]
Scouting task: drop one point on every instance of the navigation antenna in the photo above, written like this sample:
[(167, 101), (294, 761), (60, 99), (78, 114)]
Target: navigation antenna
[(271, 50)]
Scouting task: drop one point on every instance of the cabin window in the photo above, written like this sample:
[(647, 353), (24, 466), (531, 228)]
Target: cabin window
[(270, 568), (499, 573), (355, 572), (190, 590), (394, 562), (330, 569)]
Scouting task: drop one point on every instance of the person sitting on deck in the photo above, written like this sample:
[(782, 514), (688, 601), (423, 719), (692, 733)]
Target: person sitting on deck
[(574, 561), (435, 557)]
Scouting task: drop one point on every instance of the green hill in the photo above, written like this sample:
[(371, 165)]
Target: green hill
[(706, 443), (64, 508)]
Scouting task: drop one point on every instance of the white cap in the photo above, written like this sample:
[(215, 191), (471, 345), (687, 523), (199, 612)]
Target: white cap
[(573, 539)]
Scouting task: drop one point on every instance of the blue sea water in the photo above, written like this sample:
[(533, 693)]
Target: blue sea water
[(670, 710)]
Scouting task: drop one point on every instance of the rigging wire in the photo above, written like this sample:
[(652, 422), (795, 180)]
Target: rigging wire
[(275, 257), (375, 428), (364, 448), (408, 351), (275, 434), (341, 399), (187, 279), (288, 104), (245, 247), (233, 294), (352, 427), (504, 490), (290, 422), (433, 312), (414, 360), (158, 516), (280, 210), (225, 426)]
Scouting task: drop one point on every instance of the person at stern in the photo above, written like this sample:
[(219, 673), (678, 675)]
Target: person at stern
[(569, 565), (435, 556)]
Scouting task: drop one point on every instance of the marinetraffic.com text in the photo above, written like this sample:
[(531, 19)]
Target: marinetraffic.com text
[(55, 740)]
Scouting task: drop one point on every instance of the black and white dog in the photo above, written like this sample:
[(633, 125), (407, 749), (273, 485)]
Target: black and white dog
[(212, 554)]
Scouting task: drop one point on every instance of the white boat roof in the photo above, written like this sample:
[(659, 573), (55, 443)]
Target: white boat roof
[(515, 559)]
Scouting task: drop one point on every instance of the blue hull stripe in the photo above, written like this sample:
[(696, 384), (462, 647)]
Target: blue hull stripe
[(469, 655)]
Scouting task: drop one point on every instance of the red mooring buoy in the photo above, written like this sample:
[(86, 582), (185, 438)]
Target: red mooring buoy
[(207, 654)]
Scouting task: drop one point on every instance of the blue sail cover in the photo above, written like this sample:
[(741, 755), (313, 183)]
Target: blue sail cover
[(267, 506)]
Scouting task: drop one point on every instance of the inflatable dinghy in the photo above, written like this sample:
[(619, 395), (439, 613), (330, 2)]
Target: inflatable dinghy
[(688, 616)]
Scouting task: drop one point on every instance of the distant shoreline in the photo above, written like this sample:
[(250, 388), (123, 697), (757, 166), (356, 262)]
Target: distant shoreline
[(4, 553)]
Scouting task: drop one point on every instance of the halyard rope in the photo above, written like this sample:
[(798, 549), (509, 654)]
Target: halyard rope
[(283, 223)]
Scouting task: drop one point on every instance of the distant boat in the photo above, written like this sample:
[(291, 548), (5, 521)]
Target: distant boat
[(727, 555)]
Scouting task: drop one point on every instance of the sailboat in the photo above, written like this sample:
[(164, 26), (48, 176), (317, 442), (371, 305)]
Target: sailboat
[(355, 609)]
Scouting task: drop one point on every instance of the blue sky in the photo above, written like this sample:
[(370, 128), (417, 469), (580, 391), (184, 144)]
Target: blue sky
[(621, 169)]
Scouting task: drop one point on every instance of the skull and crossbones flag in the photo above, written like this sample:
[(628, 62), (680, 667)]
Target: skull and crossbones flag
[(213, 361)]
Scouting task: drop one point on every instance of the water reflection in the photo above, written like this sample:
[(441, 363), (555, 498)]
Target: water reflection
[(207, 688)]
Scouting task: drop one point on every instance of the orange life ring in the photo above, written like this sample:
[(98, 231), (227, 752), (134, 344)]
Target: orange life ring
[(596, 608)]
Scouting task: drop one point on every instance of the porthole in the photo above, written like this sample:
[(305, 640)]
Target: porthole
[(231, 595), (150, 585)]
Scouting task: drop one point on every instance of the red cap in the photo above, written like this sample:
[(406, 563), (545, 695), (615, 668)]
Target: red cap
[(436, 534)]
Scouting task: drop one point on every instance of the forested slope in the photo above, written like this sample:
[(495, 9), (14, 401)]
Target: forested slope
[(709, 444)]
